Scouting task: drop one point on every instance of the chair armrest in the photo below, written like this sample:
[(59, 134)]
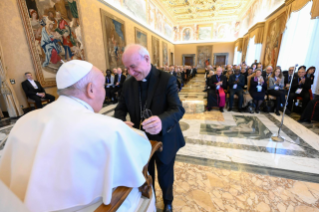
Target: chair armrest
[(121, 193)]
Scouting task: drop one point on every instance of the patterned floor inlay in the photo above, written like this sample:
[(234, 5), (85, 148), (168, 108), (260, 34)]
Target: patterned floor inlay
[(208, 189), (207, 115)]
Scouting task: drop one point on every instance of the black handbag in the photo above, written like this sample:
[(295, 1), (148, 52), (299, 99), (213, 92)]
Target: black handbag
[(250, 107), (268, 106)]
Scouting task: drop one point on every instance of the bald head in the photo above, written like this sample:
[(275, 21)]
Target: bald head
[(137, 60)]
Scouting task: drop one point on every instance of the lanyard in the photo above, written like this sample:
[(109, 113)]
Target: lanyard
[(141, 104), (218, 78)]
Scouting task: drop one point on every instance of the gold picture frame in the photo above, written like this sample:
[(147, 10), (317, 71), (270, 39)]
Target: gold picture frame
[(139, 34)]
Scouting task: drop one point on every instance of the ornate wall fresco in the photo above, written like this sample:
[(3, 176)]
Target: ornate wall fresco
[(165, 54), (274, 35), (156, 51), (54, 33), (114, 39), (204, 56), (140, 37)]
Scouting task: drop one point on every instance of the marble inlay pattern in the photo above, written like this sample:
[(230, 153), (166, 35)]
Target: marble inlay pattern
[(205, 189), (207, 115), (193, 106), (247, 127)]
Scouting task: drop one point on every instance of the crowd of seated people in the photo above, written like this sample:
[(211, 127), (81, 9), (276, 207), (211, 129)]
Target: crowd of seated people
[(243, 81), (114, 83)]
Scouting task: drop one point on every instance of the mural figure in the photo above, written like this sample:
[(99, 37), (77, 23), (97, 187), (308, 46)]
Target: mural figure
[(140, 37), (187, 34), (204, 56)]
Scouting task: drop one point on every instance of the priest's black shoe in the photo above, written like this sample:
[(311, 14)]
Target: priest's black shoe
[(168, 208)]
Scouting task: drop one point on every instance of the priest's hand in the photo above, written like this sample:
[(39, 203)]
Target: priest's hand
[(152, 125), (128, 123)]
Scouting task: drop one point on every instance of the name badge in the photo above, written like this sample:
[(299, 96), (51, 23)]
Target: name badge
[(259, 88), (299, 90), (217, 87), (235, 86), (276, 88)]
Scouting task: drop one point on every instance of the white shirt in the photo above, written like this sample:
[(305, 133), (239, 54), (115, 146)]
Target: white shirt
[(64, 155), (33, 84)]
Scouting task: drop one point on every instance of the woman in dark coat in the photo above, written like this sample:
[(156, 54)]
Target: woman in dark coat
[(216, 95), (311, 73), (258, 88)]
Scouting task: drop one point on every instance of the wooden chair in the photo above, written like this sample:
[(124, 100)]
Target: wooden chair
[(32, 102), (119, 195)]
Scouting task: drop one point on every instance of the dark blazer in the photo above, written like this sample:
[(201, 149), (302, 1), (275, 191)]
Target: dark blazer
[(245, 77), (30, 90), (264, 74), (116, 79), (241, 83), (163, 101), (213, 80), (295, 85), (312, 77), (286, 75)]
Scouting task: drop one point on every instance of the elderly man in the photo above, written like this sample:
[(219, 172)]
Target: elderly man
[(151, 99), (299, 88), (67, 156), (35, 91), (267, 73), (119, 81), (288, 76), (236, 86)]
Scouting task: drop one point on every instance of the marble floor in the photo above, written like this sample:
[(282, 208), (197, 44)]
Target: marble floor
[(230, 162)]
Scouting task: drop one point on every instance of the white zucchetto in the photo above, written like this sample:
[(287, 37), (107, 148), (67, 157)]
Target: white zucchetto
[(71, 72)]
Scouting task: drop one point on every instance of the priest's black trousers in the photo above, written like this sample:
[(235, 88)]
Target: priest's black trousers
[(165, 176)]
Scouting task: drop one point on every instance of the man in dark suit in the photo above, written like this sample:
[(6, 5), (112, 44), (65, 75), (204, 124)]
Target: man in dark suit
[(151, 92), (193, 71), (288, 76), (236, 86), (35, 91), (119, 80), (267, 73), (299, 88)]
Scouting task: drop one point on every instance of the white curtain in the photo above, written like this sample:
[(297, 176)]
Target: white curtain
[(237, 57), (250, 56), (300, 42), (253, 51)]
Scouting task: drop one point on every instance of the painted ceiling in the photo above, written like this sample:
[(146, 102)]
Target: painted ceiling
[(205, 11)]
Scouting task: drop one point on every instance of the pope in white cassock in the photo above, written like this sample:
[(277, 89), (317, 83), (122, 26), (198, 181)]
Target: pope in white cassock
[(66, 156)]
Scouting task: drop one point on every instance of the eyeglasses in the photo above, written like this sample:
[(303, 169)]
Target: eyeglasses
[(147, 113)]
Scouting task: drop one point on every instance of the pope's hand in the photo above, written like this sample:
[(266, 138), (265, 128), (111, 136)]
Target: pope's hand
[(128, 123), (152, 125)]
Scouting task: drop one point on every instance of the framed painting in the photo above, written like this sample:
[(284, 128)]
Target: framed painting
[(140, 37), (165, 54), (114, 39), (274, 36), (204, 56), (53, 32), (155, 51)]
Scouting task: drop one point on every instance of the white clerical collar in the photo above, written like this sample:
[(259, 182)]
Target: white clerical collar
[(86, 105)]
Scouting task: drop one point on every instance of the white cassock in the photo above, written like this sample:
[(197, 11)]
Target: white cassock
[(65, 155)]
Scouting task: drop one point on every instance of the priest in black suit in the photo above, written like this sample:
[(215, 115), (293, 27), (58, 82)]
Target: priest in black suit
[(35, 91), (151, 99), (299, 88)]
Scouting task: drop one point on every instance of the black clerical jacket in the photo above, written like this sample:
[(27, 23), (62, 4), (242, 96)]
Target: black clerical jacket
[(162, 99), (122, 80), (215, 79)]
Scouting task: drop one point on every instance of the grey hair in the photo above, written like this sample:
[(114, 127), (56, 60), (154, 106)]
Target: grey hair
[(78, 87), (258, 69), (269, 67), (141, 50)]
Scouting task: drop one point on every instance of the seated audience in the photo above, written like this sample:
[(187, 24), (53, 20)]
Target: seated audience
[(236, 86), (67, 156), (171, 71), (35, 91), (259, 66), (299, 88), (217, 84), (257, 90), (193, 71), (311, 73), (276, 86), (267, 73), (119, 81), (250, 71), (210, 74), (311, 112), (243, 71), (254, 64), (109, 83)]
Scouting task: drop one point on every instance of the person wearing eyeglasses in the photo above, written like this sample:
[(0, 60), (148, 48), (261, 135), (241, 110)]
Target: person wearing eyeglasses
[(151, 99)]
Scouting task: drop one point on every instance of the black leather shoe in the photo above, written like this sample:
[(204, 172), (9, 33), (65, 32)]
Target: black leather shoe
[(168, 208), (277, 113), (221, 109)]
